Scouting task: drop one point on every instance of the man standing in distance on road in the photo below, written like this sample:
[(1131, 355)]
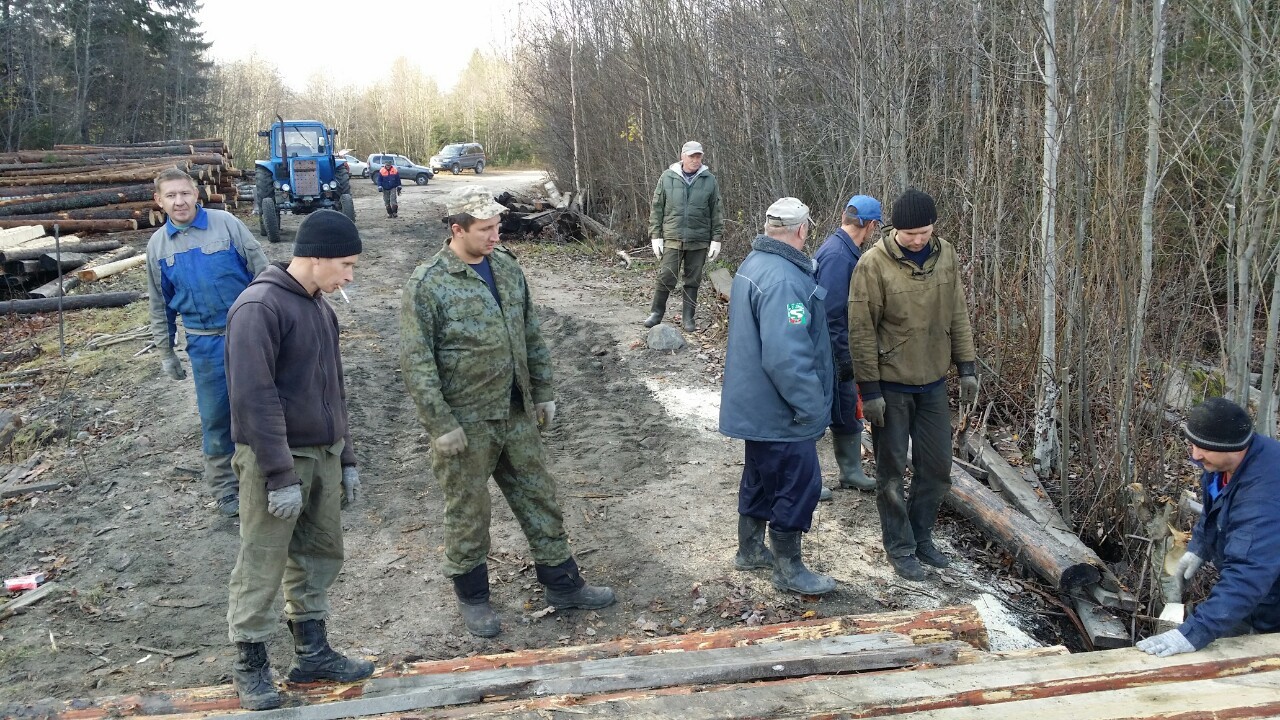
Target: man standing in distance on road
[(908, 322), (686, 223), (837, 258), (197, 264), (388, 179), (294, 454), (476, 365), (778, 385)]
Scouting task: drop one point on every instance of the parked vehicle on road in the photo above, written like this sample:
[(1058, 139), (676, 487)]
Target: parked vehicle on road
[(301, 175), (458, 157), (358, 166), (408, 169)]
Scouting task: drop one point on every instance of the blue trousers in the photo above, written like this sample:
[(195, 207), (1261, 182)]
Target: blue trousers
[(781, 482), (209, 370)]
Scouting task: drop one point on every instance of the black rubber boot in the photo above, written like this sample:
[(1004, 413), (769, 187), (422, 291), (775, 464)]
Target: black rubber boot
[(929, 554), (687, 320), (567, 589), (789, 572), (658, 308), (314, 660), (472, 590), (849, 458), (907, 567), (752, 553), (251, 676)]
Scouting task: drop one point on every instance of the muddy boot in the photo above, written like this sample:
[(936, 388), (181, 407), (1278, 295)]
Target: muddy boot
[(849, 457), (222, 480), (472, 590), (824, 495), (690, 310), (789, 572), (752, 553), (929, 554), (907, 567), (395, 211), (251, 677), (658, 309), (314, 660), (567, 589)]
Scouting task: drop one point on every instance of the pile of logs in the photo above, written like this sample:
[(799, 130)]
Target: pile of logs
[(28, 255), (107, 188), (555, 218)]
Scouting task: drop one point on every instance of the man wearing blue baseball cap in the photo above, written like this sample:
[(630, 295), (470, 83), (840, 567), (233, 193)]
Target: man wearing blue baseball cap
[(836, 258)]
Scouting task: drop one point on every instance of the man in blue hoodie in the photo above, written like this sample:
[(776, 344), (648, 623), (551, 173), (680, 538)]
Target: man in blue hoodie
[(1236, 532), (778, 385)]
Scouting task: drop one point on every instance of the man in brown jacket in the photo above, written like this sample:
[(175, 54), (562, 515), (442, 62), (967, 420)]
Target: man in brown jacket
[(908, 322), (294, 458)]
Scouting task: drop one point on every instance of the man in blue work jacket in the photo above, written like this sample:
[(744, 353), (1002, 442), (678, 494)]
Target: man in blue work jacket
[(197, 264), (1236, 532)]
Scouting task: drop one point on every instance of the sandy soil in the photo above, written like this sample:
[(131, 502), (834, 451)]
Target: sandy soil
[(647, 485)]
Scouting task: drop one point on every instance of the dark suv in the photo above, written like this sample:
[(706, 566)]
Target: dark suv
[(458, 157), (408, 169)]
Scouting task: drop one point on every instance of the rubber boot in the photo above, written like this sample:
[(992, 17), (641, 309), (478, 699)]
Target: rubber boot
[(752, 553), (472, 590), (690, 310), (849, 458), (395, 211), (567, 589), (658, 309), (314, 660), (824, 495), (789, 572), (226, 488), (251, 677)]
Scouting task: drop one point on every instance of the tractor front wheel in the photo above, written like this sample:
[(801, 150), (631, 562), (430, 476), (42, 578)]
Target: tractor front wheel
[(270, 218)]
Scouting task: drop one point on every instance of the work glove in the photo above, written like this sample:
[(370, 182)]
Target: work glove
[(172, 366), (657, 247), (350, 484), (845, 372), (546, 414), (451, 443), (873, 410), (1188, 565), (968, 389), (1166, 644), (714, 251), (286, 502)]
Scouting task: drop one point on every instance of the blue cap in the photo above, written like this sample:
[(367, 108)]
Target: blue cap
[(865, 207)]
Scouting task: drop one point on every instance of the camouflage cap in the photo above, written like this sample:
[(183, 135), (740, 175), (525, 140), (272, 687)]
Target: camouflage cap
[(474, 200)]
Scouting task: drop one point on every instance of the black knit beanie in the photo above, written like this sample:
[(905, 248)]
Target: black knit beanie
[(914, 209), (1220, 425), (327, 234)]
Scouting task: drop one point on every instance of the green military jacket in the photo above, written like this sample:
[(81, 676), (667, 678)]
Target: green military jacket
[(688, 216), (460, 351), (907, 324)]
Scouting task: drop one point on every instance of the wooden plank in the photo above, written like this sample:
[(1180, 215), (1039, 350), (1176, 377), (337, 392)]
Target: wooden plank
[(983, 688), (14, 236), (28, 599), (1105, 630), (722, 281)]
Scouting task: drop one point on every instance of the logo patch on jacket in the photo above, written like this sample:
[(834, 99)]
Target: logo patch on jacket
[(797, 314)]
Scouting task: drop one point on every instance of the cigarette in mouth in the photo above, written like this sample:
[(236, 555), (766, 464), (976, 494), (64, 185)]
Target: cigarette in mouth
[(344, 295)]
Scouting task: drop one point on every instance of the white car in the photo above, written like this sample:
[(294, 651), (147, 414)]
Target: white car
[(358, 166)]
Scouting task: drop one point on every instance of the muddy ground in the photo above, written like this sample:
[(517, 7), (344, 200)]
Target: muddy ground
[(647, 485)]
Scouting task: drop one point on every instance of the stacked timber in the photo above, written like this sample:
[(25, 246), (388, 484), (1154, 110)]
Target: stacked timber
[(29, 257)]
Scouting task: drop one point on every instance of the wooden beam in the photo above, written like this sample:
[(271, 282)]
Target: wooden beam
[(722, 281), (1105, 630)]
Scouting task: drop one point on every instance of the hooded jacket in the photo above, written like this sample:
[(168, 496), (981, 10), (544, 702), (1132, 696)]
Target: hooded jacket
[(686, 215), (907, 323), (284, 374), (778, 374)]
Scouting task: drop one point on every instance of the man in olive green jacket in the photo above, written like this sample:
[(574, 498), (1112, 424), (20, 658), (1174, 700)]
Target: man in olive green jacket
[(686, 223), (475, 363), (908, 322)]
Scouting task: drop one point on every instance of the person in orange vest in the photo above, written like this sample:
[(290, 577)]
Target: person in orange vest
[(389, 183)]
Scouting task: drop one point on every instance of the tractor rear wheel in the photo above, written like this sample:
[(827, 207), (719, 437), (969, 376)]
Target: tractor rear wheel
[(348, 206), (263, 184), (270, 219), (342, 176)]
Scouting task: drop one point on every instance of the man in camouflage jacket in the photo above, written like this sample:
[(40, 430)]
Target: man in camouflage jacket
[(479, 372)]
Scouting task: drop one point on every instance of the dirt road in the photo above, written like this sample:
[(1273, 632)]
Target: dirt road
[(647, 484)]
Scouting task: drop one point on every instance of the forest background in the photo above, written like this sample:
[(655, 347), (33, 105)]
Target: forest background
[(1107, 169)]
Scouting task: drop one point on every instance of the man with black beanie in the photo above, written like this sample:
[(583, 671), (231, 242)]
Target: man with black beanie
[(1236, 532), (294, 457), (908, 323)]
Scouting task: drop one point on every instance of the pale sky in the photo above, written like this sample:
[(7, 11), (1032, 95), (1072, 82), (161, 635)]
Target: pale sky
[(361, 38)]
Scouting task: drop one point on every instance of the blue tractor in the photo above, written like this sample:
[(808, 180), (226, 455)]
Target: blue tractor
[(302, 175)]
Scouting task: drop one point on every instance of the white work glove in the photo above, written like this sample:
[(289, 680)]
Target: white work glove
[(714, 251), (968, 390), (657, 247), (546, 413), (1188, 565), (1166, 644), (451, 443), (172, 366), (350, 484), (286, 502), (873, 410)]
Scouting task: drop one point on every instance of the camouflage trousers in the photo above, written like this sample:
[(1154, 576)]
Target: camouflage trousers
[(305, 554), (511, 452)]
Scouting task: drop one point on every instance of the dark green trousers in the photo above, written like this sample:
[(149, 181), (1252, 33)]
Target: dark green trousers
[(669, 272), (924, 419), (304, 554)]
